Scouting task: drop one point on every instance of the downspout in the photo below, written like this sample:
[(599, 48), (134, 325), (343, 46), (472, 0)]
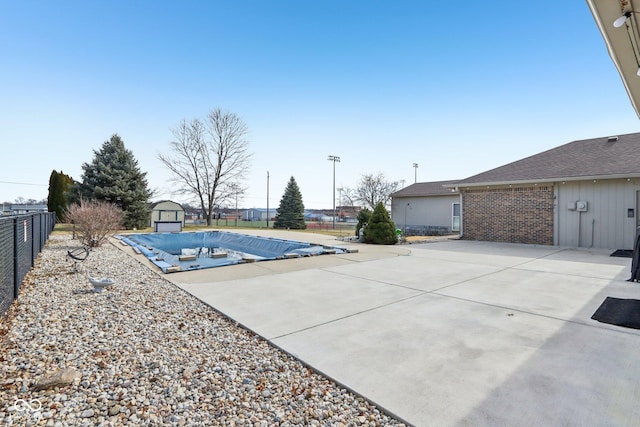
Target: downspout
[(579, 222), (461, 232), (556, 215), (593, 226)]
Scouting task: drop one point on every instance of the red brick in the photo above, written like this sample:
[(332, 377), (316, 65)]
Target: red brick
[(512, 215)]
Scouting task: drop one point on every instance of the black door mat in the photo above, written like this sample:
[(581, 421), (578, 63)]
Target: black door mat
[(624, 253), (620, 312)]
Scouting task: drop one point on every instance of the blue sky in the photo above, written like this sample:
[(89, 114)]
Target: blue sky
[(381, 84)]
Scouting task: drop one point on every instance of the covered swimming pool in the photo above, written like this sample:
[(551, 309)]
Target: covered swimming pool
[(173, 252)]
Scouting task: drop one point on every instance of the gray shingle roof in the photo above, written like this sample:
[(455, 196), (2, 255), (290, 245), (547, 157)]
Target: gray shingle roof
[(435, 188), (154, 204), (589, 158)]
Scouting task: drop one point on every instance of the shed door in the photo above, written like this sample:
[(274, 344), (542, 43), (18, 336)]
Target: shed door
[(168, 216)]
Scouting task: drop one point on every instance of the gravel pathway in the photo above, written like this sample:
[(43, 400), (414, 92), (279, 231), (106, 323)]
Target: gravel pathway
[(144, 352)]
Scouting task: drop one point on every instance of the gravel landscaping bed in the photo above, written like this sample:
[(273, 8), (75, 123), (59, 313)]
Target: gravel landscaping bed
[(144, 352)]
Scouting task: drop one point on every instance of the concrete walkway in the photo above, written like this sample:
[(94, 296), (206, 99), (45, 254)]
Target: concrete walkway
[(452, 333)]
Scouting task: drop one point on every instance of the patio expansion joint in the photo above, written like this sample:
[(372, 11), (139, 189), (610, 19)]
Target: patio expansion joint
[(582, 276), (517, 266), (545, 316), (421, 292), (510, 267), (337, 319)]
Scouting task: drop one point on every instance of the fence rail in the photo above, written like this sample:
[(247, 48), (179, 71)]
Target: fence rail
[(425, 230), (22, 237)]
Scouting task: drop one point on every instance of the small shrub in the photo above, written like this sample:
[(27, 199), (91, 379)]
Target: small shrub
[(94, 221), (380, 230)]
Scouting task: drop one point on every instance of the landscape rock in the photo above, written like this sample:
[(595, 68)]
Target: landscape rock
[(145, 352), (57, 379)]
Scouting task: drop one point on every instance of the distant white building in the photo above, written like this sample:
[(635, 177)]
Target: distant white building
[(22, 208), (258, 214)]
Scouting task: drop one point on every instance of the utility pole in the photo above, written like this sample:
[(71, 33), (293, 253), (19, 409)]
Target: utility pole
[(267, 199), (415, 171), (340, 202), (405, 219)]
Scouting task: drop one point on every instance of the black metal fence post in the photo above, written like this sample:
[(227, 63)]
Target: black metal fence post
[(16, 260)]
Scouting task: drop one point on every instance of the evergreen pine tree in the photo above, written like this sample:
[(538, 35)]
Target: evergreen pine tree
[(381, 229), (290, 214), (57, 199), (114, 176), (52, 197)]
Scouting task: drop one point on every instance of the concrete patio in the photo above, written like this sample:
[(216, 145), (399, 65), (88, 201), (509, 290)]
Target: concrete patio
[(450, 333)]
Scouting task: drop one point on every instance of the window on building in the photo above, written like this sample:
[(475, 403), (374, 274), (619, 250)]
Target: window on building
[(455, 222)]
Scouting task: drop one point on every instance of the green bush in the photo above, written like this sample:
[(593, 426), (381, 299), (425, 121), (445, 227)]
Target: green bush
[(380, 230)]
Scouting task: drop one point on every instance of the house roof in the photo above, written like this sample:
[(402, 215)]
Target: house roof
[(622, 41), (435, 188), (597, 158)]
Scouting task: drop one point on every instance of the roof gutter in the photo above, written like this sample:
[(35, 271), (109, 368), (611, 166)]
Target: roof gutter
[(453, 192), (604, 28), (544, 181)]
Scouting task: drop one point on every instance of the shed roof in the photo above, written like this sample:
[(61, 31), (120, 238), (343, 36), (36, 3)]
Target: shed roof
[(435, 188), (154, 204), (605, 157)]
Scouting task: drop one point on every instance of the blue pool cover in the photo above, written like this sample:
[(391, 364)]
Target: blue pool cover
[(206, 249)]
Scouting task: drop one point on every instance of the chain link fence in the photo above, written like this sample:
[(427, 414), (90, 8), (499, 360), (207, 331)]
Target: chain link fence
[(22, 237)]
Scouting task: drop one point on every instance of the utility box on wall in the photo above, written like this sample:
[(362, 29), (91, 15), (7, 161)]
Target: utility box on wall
[(581, 206)]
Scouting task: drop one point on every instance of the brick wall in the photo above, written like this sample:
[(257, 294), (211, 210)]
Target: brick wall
[(513, 215)]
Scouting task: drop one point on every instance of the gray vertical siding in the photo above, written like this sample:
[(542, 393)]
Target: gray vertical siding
[(434, 211), (605, 225)]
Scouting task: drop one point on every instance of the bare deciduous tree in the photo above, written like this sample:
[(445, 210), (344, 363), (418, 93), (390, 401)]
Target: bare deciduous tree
[(374, 189), (94, 220), (209, 159), (348, 196)]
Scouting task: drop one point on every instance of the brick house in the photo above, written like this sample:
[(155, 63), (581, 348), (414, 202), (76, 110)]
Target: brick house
[(582, 194)]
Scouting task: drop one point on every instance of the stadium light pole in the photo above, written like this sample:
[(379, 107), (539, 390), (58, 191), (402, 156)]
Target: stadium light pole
[(415, 172), (267, 199), (340, 202), (334, 159)]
